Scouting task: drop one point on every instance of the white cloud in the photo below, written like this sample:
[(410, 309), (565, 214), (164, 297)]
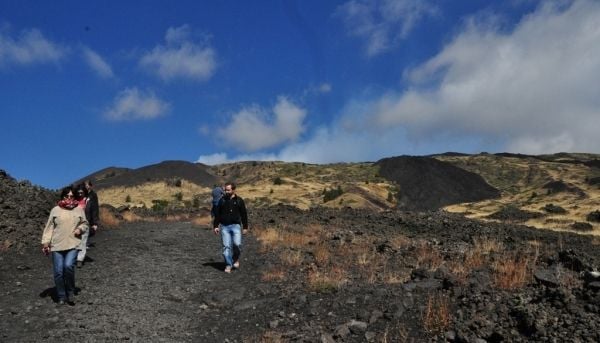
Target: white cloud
[(253, 128), (213, 159), (535, 87), (181, 57), (220, 158), (532, 89), (325, 88), (383, 23), (29, 47), (133, 104), (97, 63)]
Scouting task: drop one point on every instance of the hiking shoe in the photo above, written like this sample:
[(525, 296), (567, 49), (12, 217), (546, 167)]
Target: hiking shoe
[(79, 264), (62, 302), (236, 264), (228, 269)]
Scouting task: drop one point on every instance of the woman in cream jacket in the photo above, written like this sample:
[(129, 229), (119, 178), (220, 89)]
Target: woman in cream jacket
[(62, 237)]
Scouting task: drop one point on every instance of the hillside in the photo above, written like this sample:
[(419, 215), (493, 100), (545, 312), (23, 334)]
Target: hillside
[(478, 186), (557, 191)]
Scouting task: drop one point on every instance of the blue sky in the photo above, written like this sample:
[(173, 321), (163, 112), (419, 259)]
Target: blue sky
[(90, 84)]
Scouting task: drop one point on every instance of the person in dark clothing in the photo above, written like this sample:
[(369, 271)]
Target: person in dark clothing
[(217, 194), (92, 209), (231, 220)]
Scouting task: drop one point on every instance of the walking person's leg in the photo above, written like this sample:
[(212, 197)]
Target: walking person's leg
[(69, 273), (237, 244), (226, 238), (83, 247), (58, 271)]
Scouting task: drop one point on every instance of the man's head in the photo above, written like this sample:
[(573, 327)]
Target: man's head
[(88, 185), (229, 189)]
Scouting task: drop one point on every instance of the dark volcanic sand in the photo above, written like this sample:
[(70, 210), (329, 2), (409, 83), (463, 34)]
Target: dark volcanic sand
[(163, 282)]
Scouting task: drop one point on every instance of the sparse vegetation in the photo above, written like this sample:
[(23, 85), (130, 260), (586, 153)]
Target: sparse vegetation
[(178, 196), (437, 315), (108, 219), (332, 194), (159, 205)]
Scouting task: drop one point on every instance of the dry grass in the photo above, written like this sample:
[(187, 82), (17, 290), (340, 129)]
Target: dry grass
[(108, 220), (326, 281), (129, 216), (399, 242), (202, 221), (395, 277), (322, 255), (292, 258), (460, 271), (512, 272), (437, 315), (364, 254), (273, 274), (428, 256)]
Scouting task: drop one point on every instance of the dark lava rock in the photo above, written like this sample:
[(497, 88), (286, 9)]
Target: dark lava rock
[(24, 210), (595, 163), (593, 217), (582, 226), (427, 184), (547, 277), (551, 208), (594, 181), (560, 186), (513, 213)]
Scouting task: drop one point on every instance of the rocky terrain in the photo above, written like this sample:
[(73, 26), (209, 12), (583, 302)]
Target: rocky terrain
[(24, 209), (323, 275)]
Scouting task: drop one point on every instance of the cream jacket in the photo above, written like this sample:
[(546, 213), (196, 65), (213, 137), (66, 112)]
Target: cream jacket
[(60, 228)]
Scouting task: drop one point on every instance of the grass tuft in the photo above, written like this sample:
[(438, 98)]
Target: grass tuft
[(437, 315), (327, 281)]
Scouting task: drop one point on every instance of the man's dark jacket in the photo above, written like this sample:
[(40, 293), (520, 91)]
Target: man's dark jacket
[(92, 209), (231, 211)]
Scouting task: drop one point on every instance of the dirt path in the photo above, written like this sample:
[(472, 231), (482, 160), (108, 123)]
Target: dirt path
[(160, 282)]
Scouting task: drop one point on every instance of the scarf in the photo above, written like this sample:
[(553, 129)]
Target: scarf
[(68, 204)]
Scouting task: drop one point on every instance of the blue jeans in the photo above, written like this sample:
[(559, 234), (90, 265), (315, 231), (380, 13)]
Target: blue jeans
[(231, 234), (64, 272)]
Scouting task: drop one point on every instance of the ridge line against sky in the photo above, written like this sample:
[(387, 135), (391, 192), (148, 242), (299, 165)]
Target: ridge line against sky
[(91, 85)]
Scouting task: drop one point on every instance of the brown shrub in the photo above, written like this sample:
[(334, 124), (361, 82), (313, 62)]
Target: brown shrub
[(107, 219), (437, 315), (291, 258), (428, 256), (129, 216), (326, 281), (273, 274), (512, 272), (321, 254)]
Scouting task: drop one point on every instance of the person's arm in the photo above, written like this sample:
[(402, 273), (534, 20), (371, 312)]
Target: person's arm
[(243, 214), (82, 226), (217, 219), (47, 233)]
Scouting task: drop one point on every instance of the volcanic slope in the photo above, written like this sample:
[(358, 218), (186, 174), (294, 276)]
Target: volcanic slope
[(322, 275)]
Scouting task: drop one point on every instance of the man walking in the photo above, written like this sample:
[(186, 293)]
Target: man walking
[(230, 217)]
